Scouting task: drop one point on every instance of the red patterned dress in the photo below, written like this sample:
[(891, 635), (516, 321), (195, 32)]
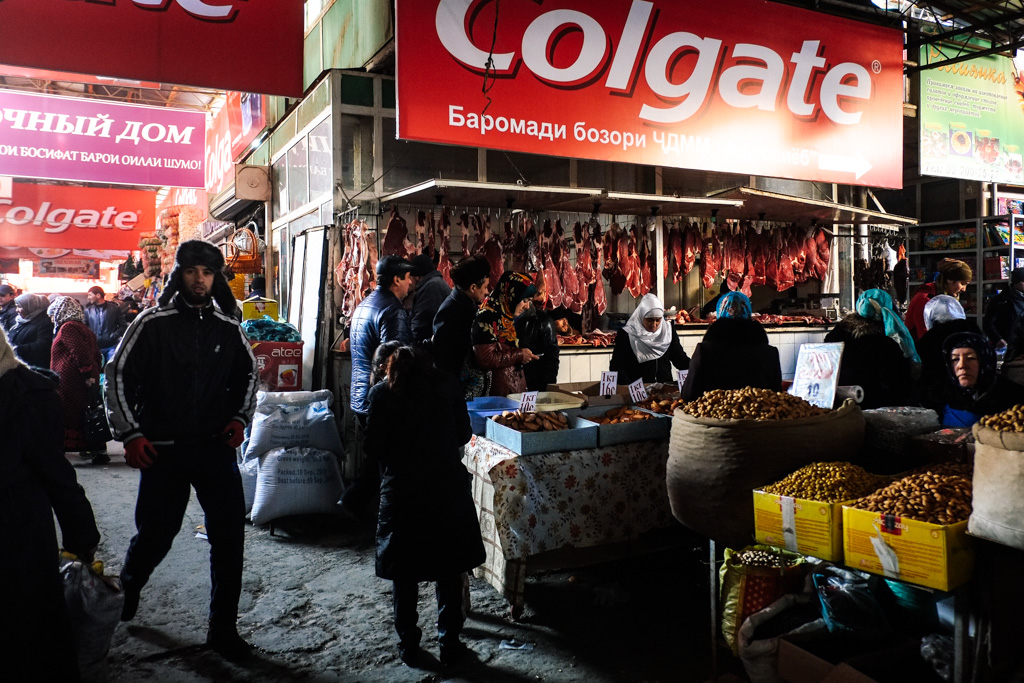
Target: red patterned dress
[(74, 356)]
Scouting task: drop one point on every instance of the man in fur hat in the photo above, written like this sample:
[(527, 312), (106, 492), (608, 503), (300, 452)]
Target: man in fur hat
[(181, 389)]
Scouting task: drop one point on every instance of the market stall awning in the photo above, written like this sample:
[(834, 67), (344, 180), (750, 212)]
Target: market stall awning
[(772, 206), (552, 198), (475, 193)]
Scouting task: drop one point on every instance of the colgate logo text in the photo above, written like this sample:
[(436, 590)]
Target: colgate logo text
[(757, 77)]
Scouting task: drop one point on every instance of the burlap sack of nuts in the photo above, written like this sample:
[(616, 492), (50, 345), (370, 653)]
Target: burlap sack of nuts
[(714, 464), (998, 507)]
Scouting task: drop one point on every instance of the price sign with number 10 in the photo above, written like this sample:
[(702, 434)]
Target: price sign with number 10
[(528, 403), (637, 391)]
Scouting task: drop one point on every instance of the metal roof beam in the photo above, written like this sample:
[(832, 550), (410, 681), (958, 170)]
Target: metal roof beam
[(973, 28)]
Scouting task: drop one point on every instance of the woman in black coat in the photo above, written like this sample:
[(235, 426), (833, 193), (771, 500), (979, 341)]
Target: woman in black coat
[(647, 347), (943, 317), (427, 528), (734, 353), (32, 334), (36, 482)]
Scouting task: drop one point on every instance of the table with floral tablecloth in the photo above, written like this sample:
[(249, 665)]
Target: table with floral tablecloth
[(533, 504)]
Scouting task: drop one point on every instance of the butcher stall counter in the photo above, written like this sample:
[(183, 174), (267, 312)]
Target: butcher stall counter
[(566, 509), (585, 363)]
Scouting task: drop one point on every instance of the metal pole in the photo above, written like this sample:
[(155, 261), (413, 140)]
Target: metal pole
[(713, 582)]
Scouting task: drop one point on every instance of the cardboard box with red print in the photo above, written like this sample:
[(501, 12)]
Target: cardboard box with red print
[(279, 365)]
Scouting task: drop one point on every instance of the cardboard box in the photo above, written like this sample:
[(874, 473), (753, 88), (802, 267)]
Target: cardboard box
[(809, 658), (279, 365), (937, 239), (818, 527), (255, 309), (931, 555), (582, 434), (609, 435), (588, 391)]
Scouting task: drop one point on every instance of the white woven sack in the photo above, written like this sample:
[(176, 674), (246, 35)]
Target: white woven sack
[(289, 419), (295, 481)]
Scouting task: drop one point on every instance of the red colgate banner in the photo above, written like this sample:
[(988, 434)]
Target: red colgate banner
[(740, 87), (65, 217), (246, 45)]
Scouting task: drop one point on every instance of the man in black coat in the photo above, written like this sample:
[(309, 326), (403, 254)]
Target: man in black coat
[(181, 389), (8, 312), (1004, 310), (36, 483), (105, 319), (451, 341), (430, 292)]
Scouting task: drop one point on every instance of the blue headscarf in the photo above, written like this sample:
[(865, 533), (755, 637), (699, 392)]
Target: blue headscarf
[(733, 305), (876, 304)]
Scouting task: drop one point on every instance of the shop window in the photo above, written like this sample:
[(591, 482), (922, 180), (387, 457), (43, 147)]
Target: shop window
[(532, 169), (356, 152), (357, 90), (298, 175), (280, 195), (321, 170), (409, 163), (387, 93)]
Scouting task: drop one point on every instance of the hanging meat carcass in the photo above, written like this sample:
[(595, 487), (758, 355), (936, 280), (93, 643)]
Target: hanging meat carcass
[(797, 254), (534, 259), (464, 234), (646, 261), (810, 252), (444, 263), (493, 252), (431, 235), (674, 254), (585, 275), (691, 246), (421, 234), (824, 246), (785, 278), (396, 237), (711, 255), (571, 298), (479, 228), (600, 300), (368, 256)]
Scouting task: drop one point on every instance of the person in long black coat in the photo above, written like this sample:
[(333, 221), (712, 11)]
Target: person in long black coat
[(427, 528), (36, 482), (32, 334), (733, 354)]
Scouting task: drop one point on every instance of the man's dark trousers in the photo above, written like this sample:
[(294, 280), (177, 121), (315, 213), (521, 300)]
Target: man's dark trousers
[(164, 489)]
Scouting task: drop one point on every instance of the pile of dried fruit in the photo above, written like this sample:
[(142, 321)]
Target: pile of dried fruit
[(532, 422), (750, 403), (926, 497), (620, 415), (1011, 420), (762, 558), (827, 482), (666, 406)]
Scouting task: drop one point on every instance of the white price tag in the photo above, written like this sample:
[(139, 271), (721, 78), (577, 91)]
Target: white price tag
[(637, 391), (681, 380), (609, 381), (817, 372), (528, 403)]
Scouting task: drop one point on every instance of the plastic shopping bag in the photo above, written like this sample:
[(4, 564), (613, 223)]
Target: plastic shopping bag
[(94, 606)]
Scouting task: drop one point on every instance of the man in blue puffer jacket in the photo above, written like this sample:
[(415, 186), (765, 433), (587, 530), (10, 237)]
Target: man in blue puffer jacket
[(378, 319)]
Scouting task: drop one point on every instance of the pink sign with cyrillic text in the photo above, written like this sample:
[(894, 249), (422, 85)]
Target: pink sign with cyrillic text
[(67, 138)]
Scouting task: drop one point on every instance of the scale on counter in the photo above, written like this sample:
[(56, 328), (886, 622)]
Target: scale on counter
[(824, 305)]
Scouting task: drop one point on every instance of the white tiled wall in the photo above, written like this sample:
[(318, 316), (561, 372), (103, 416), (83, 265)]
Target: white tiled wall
[(586, 365)]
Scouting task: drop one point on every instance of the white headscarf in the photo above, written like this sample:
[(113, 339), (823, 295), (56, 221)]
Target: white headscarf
[(942, 309), (648, 345)]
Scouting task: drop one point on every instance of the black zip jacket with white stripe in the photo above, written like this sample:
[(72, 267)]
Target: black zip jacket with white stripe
[(180, 374)]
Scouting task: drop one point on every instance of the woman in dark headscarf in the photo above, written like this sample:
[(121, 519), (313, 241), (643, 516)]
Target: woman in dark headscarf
[(878, 352), (647, 348), (495, 342), (32, 333), (974, 389), (75, 358), (943, 316), (734, 353)]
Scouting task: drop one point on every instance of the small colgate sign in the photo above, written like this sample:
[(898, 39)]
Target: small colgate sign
[(57, 216), (758, 88)]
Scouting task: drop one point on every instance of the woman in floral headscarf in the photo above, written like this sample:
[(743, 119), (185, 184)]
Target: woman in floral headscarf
[(75, 358), (495, 342), (734, 352)]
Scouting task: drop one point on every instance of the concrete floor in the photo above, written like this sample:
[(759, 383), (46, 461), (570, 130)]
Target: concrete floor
[(315, 610)]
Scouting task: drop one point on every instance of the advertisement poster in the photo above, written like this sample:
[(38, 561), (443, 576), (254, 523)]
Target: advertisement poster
[(67, 267), (64, 217), (757, 88), (972, 118), (74, 138)]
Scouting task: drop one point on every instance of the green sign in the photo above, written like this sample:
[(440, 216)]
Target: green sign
[(972, 118)]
